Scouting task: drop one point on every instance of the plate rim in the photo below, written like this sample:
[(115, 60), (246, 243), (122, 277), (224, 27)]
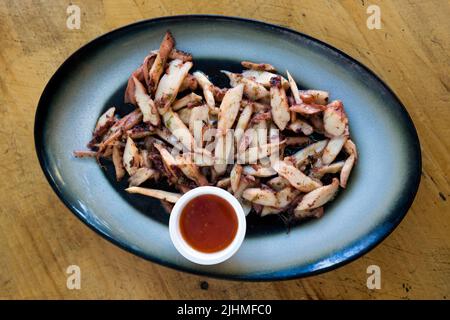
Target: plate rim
[(370, 240)]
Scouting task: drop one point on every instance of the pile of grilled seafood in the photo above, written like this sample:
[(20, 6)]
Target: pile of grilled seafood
[(276, 148)]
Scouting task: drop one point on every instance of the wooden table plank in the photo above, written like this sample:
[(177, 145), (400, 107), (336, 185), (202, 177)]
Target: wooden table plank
[(40, 238)]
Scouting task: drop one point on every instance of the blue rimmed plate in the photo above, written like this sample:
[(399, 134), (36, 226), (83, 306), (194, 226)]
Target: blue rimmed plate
[(380, 191)]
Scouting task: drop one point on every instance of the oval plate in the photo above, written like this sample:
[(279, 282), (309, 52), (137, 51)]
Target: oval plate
[(380, 191)]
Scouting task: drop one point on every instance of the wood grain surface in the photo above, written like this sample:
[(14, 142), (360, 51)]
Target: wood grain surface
[(40, 238)]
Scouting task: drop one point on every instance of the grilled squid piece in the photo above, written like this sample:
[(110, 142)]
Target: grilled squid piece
[(119, 127), (259, 171), (146, 67), (105, 121), (207, 88), (313, 213), (219, 93), (223, 152), (149, 112), (346, 170), (169, 163), (129, 91), (154, 193), (229, 108), (300, 126), (145, 160), (261, 117), (235, 177), (261, 132), (286, 196), (191, 171), (264, 197), (202, 157), (224, 183), (314, 149), (294, 88), (167, 136), (334, 119), (127, 122), (244, 183), (131, 157), (319, 96), (319, 172), (263, 78), (278, 183), (140, 176), (257, 106), (85, 154), (316, 121), (253, 154), (350, 149), (179, 54), (243, 122), (198, 124), (295, 98), (170, 84), (266, 210), (108, 140), (247, 139), (117, 157), (274, 138), (198, 119), (176, 54), (333, 148), (260, 135), (279, 104), (173, 122), (274, 134), (258, 66), (107, 153), (189, 82), (187, 100), (157, 68), (307, 109), (185, 115), (166, 156), (295, 177), (252, 89), (140, 131), (318, 197), (270, 198)]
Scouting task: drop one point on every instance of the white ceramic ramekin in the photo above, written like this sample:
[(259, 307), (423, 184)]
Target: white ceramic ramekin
[(197, 256)]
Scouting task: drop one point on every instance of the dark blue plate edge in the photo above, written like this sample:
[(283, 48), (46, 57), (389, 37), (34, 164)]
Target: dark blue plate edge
[(367, 243)]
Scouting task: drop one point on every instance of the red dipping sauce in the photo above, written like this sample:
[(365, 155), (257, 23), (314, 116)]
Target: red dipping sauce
[(208, 223)]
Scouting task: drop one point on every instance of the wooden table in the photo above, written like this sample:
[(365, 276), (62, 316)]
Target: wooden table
[(40, 238)]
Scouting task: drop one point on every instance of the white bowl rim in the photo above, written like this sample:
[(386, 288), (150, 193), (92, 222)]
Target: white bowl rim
[(197, 256)]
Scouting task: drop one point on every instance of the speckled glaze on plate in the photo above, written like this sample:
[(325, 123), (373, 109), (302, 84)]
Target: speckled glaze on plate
[(380, 191)]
